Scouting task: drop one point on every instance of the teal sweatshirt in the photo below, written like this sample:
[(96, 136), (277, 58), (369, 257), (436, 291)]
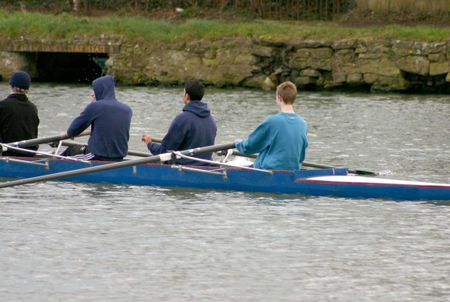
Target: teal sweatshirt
[(281, 141)]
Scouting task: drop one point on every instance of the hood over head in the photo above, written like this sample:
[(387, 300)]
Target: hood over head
[(198, 108), (104, 88)]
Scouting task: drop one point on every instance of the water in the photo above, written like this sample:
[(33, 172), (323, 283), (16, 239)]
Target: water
[(79, 242)]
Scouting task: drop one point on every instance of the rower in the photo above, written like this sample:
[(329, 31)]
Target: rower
[(18, 116), (110, 122), (281, 139), (194, 127)]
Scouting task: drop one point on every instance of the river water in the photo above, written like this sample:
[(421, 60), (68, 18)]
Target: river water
[(82, 242)]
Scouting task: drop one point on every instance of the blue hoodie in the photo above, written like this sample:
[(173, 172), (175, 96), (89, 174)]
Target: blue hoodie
[(109, 119), (281, 141), (194, 127)]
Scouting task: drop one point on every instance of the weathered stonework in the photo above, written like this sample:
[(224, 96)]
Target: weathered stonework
[(384, 65), (220, 63), (84, 45), (414, 64), (388, 65), (439, 68), (11, 61)]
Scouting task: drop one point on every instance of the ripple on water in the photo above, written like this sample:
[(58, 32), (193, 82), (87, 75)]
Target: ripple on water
[(84, 242)]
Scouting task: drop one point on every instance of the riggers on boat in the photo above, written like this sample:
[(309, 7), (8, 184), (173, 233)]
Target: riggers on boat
[(335, 182)]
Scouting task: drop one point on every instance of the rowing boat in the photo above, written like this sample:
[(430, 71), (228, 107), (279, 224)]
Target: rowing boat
[(336, 182)]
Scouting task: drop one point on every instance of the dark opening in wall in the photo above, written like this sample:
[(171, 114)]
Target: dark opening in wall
[(69, 67), (426, 84)]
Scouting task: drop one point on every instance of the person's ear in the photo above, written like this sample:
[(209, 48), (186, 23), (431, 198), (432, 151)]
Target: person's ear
[(186, 96), (279, 99)]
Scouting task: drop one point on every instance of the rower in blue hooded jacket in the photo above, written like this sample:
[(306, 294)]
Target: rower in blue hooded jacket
[(194, 127), (110, 122), (281, 139)]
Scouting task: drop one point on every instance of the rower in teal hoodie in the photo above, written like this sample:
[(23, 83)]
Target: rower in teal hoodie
[(281, 139)]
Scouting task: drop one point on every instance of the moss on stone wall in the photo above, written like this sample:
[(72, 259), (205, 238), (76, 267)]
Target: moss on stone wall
[(370, 64)]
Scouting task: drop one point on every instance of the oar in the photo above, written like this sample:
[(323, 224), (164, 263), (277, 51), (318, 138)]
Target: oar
[(154, 158), (130, 152), (312, 165), (353, 171), (45, 140)]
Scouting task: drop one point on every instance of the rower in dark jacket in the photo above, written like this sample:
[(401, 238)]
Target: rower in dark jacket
[(194, 127), (110, 122), (18, 116)]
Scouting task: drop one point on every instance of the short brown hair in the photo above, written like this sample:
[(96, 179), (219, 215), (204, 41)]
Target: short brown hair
[(288, 91)]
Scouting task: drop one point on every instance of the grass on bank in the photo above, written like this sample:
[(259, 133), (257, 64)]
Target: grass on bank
[(65, 26)]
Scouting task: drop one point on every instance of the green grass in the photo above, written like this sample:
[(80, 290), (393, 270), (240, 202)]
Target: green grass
[(65, 26)]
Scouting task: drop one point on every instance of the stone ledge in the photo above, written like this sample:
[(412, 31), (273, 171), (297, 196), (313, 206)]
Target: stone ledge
[(72, 46)]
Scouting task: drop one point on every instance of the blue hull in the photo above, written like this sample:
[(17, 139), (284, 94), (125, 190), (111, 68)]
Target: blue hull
[(305, 182)]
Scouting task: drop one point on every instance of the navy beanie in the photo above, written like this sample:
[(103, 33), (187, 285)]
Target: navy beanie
[(20, 79)]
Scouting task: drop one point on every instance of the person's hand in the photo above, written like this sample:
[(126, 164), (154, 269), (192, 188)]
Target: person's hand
[(146, 138)]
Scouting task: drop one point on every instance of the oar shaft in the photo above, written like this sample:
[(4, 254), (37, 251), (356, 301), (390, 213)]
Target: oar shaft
[(44, 140), (130, 152), (237, 153), (66, 174), (155, 158), (318, 166), (313, 165)]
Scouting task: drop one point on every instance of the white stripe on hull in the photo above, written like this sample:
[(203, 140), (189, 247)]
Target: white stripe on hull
[(372, 180)]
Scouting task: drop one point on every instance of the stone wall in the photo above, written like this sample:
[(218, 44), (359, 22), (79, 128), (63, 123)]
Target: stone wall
[(12, 61), (226, 62), (386, 65), (348, 64)]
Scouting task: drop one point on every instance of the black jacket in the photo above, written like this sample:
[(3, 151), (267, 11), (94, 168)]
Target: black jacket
[(18, 121)]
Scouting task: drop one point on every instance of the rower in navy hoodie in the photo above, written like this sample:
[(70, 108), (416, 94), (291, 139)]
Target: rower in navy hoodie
[(194, 127), (109, 120)]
